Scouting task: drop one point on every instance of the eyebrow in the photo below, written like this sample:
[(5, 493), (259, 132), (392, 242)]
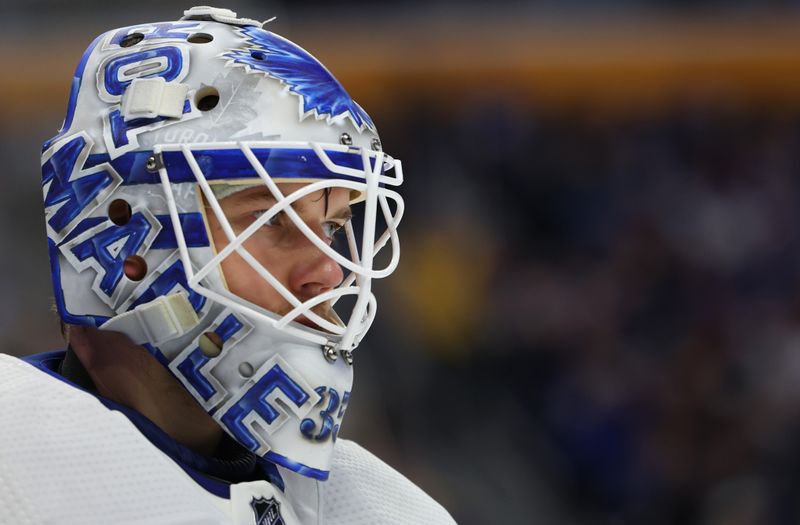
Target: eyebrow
[(344, 214), (258, 196)]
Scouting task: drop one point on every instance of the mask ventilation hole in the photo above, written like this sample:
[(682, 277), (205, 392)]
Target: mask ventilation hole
[(210, 344), (200, 38), (134, 268), (246, 369), (131, 40), (206, 99), (258, 55), (119, 212)]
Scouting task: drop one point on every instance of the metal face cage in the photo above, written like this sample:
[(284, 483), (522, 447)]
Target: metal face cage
[(321, 166)]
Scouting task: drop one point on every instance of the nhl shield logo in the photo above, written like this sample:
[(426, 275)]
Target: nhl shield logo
[(267, 511)]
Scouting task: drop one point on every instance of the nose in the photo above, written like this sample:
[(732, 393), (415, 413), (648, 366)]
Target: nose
[(313, 273)]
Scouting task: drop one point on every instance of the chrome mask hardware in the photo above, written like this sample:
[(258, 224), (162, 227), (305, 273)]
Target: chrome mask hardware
[(345, 139), (347, 355), (376, 145), (329, 351), (153, 163)]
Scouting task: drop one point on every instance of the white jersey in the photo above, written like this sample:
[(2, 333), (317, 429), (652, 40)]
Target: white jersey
[(67, 459)]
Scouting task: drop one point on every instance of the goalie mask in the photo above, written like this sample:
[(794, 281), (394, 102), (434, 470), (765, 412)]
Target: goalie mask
[(191, 199)]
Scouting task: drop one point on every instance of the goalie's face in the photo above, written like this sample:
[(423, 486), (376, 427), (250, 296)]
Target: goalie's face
[(282, 248)]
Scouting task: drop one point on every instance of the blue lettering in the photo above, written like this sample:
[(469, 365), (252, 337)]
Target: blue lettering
[(110, 247), (329, 429), (71, 187), (166, 62), (155, 31), (255, 400), (172, 277), (190, 367)]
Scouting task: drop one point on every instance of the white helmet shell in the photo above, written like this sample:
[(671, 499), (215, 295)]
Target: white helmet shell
[(158, 114)]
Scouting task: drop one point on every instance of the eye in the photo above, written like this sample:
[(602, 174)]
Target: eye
[(275, 220), (331, 228)]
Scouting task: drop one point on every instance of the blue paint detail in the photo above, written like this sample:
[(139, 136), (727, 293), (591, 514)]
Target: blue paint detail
[(228, 327), (294, 466), (85, 224), (304, 74), (345, 401), (308, 426), (120, 127), (73, 93), (230, 164), (190, 367), (130, 166), (254, 400), (271, 473), (194, 232), (58, 293), (174, 66), (160, 30), (169, 279), (279, 162), (96, 247), (75, 194)]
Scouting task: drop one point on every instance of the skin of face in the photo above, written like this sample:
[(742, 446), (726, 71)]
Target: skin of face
[(281, 247)]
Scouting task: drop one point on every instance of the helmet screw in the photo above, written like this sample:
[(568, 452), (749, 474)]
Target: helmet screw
[(246, 369), (329, 352), (152, 164), (347, 355), (376, 144), (346, 139)]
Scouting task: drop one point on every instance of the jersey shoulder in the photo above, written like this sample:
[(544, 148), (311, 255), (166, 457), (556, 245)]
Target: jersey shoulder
[(65, 458), (362, 489)]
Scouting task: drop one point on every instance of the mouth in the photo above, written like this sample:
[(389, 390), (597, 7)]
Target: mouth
[(328, 316), (325, 313)]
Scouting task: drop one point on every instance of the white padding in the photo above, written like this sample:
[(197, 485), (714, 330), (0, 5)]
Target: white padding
[(153, 97), (160, 320), (226, 16), (363, 490)]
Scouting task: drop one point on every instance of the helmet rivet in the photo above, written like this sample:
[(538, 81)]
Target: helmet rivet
[(152, 164), (347, 355), (246, 369), (376, 144), (329, 352), (346, 139)]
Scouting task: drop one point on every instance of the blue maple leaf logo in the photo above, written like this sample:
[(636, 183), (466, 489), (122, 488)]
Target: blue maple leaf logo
[(306, 77)]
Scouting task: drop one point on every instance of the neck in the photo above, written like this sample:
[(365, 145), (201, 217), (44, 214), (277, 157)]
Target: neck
[(128, 374)]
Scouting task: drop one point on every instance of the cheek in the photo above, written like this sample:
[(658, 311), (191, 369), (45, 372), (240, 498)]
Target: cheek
[(265, 250), (245, 282)]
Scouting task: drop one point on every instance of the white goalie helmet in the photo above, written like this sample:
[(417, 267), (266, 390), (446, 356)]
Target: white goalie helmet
[(167, 124)]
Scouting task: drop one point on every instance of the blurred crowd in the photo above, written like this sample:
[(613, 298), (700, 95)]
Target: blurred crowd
[(595, 320), (598, 316)]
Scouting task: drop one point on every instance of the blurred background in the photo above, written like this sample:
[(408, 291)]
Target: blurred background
[(596, 319)]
